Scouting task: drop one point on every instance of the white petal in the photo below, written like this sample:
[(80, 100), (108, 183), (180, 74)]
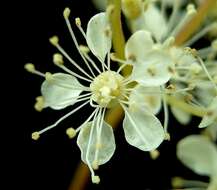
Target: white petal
[(155, 70), (138, 45), (155, 22), (182, 117), (150, 97), (58, 92), (211, 115), (99, 35), (106, 147), (142, 130), (212, 131), (199, 154)]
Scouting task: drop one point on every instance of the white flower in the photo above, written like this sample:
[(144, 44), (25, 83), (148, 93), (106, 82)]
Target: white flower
[(200, 155), (107, 89)]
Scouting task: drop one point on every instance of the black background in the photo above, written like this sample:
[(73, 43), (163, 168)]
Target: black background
[(50, 162)]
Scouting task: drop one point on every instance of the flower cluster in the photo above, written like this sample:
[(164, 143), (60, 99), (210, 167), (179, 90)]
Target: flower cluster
[(163, 74)]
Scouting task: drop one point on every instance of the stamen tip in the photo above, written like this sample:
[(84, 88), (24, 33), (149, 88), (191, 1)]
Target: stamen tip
[(167, 136), (35, 135), (154, 154), (54, 40), (39, 105), (58, 59), (71, 132), (78, 21), (84, 49), (29, 67), (95, 179), (66, 13), (48, 76)]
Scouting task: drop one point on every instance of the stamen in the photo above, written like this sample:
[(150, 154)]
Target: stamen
[(31, 68), (66, 14), (71, 132), (78, 24), (173, 17), (166, 112), (191, 11), (95, 179), (207, 72), (38, 133), (91, 61), (154, 154), (55, 43), (39, 105), (200, 34), (87, 120)]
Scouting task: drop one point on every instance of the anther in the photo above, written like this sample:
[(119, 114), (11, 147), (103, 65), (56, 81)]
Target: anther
[(54, 40), (167, 136), (78, 21), (66, 13), (39, 105), (191, 9), (84, 49), (48, 76), (58, 59), (29, 67), (95, 165), (71, 132), (35, 135), (154, 154), (95, 179)]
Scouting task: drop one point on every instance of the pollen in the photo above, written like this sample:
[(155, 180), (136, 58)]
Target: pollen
[(107, 88), (58, 59), (29, 67)]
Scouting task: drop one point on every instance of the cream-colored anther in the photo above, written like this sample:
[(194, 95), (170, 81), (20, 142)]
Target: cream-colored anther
[(39, 105), (35, 135), (66, 13), (71, 132), (95, 179), (154, 154), (167, 137), (191, 9), (29, 67), (132, 9), (48, 76), (54, 40), (78, 21), (58, 59), (84, 49)]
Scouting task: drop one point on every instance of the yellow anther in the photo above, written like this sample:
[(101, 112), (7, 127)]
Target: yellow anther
[(35, 135), (95, 179), (48, 76), (191, 9), (71, 132), (78, 21), (54, 40), (84, 49), (154, 154), (29, 67), (167, 137), (39, 105), (66, 13), (58, 59), (132, 9)]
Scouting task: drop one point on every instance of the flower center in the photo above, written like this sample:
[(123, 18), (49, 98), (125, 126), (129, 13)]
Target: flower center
[(107, 88)]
